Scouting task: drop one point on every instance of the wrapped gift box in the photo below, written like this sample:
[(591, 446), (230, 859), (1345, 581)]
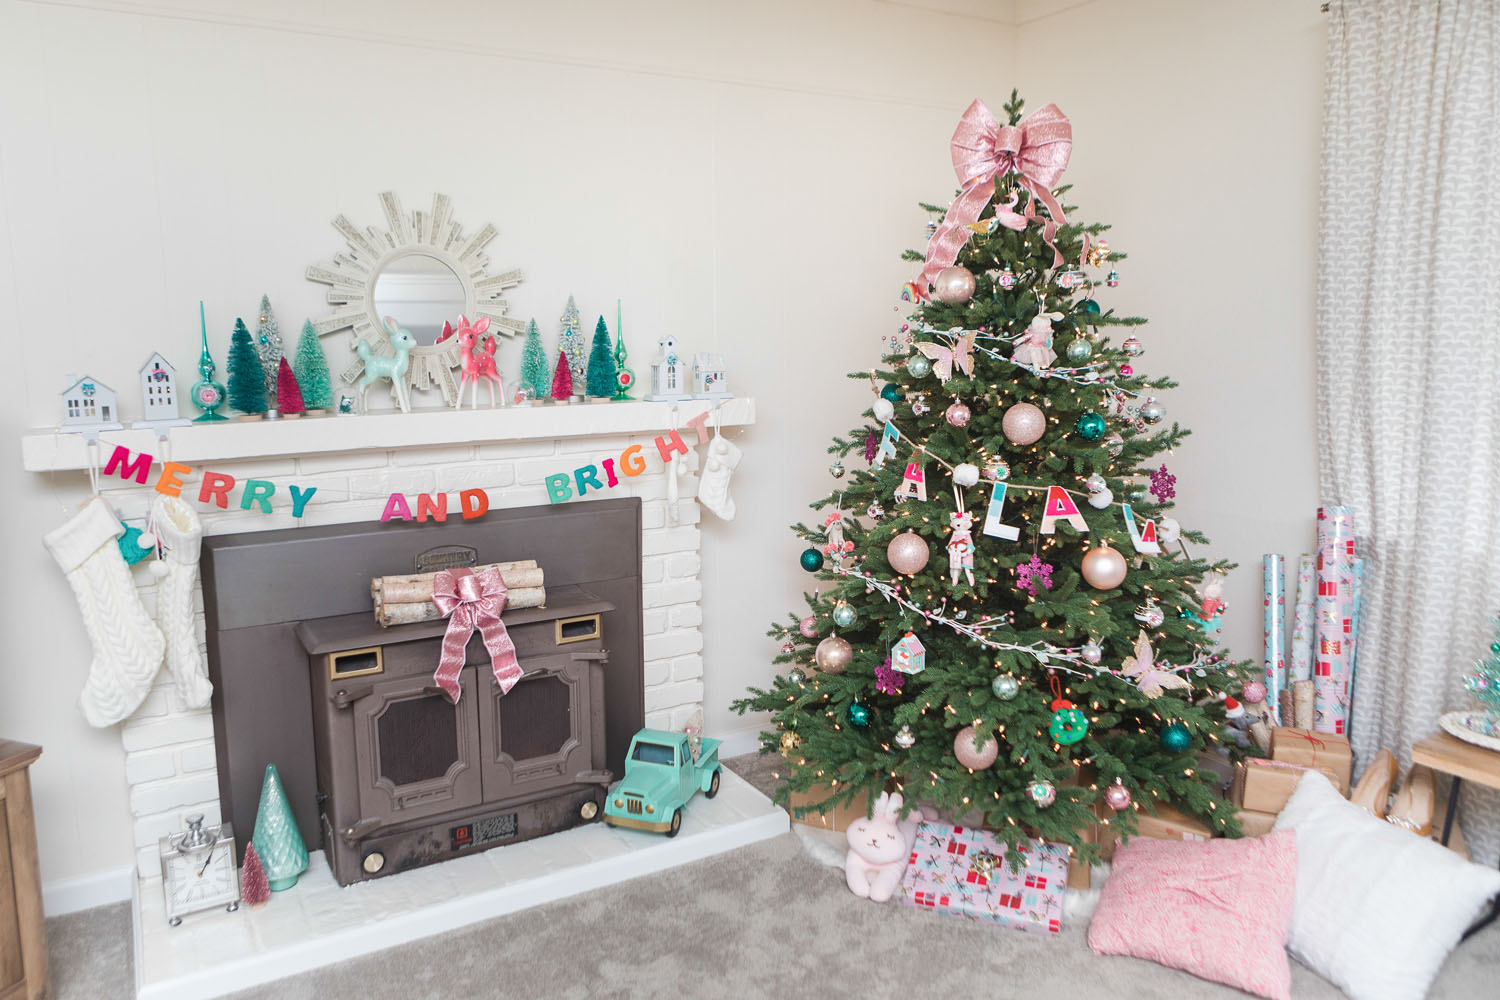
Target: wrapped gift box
[(1167, 824), (803, 810), (963, 871), (1255, 824), (1268, 784), (1324, 751)]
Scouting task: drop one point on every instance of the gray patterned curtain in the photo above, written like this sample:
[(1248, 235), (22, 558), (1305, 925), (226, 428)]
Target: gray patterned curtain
[(1409, 354)]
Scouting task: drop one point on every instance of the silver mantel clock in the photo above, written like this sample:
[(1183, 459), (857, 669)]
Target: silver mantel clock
[(198, 871)]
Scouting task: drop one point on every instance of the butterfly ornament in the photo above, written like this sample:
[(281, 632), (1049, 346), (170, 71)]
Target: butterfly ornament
[(944, 358), (1141, 668)]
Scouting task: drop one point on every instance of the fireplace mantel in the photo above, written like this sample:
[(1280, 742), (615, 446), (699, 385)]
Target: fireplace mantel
[(48, 451)]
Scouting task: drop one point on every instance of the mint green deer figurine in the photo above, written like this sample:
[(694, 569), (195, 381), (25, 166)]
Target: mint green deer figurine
[(379, 366)]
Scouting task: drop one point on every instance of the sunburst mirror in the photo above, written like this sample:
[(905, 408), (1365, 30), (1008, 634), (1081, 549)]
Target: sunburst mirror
[(421, 271)]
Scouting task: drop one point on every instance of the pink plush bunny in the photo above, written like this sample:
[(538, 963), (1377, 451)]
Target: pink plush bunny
[(878, 850)]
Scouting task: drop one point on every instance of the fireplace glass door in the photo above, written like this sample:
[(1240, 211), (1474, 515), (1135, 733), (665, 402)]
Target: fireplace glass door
[(417, 752), (537, 736)]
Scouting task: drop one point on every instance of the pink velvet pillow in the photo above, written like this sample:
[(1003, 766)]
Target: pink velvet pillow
[(1218, 909)]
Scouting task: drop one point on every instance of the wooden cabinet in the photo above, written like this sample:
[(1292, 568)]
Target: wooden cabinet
[(23, 944)]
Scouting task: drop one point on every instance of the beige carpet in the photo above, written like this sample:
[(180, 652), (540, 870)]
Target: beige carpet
[(765, 921)]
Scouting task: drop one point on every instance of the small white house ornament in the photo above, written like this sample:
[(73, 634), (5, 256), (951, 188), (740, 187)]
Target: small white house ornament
[(89, 406), (159, 396), (668, 373), (708, 376)]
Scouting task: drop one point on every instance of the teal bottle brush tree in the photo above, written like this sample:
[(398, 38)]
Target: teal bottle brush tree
[(534, 371), (247, 380), (310, 366), (1001, 620), (276, 839), (601, 370)]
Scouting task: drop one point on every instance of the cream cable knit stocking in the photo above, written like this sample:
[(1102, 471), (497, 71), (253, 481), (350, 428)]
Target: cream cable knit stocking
[(127, 644), (181, 536)]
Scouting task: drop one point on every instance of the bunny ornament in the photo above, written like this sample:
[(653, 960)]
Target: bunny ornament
[(1035, 346), (878, 849)]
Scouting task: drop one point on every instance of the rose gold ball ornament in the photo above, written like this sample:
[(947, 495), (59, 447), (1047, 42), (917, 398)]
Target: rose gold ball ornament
[(1024, 424), (1115, 443), (957, 414), (954, 285), (1103, 568), (833, 655), (970, 756), (1117, 796), (1092, 652), (808, 627), (907, 553)]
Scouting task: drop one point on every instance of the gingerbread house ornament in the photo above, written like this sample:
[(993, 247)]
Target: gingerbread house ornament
[(89, 406), (159, 396), (909, 655)]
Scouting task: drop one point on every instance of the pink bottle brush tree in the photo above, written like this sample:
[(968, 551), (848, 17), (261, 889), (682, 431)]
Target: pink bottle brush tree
[(562, 379), (288, 392)]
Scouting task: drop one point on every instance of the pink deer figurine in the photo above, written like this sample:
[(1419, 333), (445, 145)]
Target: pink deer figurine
[(478, 362)]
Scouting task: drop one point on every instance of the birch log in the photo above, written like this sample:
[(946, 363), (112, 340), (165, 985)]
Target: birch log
[(416, 588), (405, 614)]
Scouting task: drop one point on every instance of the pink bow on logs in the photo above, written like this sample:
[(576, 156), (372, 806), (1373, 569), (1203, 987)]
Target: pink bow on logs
[(1036, 150), (472, 602)]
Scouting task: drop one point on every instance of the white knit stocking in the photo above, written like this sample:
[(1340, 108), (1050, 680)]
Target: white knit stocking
[(127, 644), (181, 536)]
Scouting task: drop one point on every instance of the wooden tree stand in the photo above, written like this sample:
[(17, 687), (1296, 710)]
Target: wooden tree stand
[(23, 942)]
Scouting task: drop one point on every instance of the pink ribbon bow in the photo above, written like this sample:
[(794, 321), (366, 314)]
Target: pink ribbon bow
[(472, 602), (1036, 150)]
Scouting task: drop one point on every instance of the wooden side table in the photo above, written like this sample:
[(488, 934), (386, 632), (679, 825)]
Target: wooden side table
[(23, 942), (1447, 754)]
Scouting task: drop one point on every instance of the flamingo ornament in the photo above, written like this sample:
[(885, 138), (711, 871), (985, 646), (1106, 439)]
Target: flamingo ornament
[(478, 362)]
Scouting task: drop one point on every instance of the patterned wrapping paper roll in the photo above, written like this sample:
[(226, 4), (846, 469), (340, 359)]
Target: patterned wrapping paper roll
[(1334, 607), (1358, 586), (1299, 666), (1273, 581)]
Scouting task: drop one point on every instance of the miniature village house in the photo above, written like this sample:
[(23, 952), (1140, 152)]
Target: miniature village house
[(668, 372), (159, 388), (89, 405), (708, 375)]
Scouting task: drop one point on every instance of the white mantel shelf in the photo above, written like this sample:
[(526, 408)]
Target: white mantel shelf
[(48, 451)]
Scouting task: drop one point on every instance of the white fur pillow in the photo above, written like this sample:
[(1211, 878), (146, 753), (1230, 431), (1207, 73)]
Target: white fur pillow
[(1378, 908)]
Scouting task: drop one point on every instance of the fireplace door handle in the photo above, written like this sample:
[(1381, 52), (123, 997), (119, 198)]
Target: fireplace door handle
[(603, 778), (361, 829), (348, 695), (602, 655)]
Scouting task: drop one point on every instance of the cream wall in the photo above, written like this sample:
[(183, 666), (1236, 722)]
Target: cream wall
[(743, 176)]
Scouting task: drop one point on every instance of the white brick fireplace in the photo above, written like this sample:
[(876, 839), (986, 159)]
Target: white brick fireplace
[(356, 462)]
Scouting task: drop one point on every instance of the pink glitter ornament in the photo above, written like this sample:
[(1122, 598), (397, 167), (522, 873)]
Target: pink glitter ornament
[(1163, 484), (872, 445), (809, 627), (1254, 693), (1029, 574), (1126, 371), (1117, 797), (888, 680)]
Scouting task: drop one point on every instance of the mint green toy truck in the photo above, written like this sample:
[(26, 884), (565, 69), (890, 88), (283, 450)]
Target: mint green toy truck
[(662, 773)]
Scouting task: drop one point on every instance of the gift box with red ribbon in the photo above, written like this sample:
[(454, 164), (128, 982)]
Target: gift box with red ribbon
[(1323, 751), (963, 871)]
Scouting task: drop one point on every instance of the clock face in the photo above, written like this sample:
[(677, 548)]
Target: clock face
[(200, 880), (208, 394)]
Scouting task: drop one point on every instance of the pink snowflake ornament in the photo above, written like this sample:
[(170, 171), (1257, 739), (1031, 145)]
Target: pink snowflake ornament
[(1029, 574), (1163, 484)]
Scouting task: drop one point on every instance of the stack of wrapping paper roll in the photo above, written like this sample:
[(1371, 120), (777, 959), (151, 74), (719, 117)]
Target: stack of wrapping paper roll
[(1309, 686), (401, 600)]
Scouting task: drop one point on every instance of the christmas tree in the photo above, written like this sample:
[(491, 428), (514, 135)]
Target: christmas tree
[(288, 393), (255, 888), (247, 382), (562, 379), (601, 373), (534, 363), (1484, 680), (311, 370), (268, 343), (276, 837), (570, 341), (982, 640)]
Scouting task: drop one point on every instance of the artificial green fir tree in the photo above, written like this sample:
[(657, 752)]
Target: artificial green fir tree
[(268, 343), (534, 375), (310, 367), (601, 371), (276, 838), (1046, 663), (1484, 680), (247, 382)]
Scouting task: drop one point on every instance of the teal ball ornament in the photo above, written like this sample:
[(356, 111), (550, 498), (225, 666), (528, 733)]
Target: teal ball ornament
[(844, 614), (1090, 426), (1079, 350), (890, 392), (1005, 687), (1176, 737), (1089, 306), (859, 715), (812, 560), (1069, 725), (918, 366), (131, 549)]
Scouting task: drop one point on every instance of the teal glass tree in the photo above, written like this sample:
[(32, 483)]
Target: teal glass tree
[(311, 368), (276, 839), (534, 369), (601, 373), (247, 382), (624, 375)]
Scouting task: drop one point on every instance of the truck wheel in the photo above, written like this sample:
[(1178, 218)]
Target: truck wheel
[(676, 826), (713, 785)]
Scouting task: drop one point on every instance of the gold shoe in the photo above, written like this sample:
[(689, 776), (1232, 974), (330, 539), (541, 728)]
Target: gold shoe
[(1374, 787), (1415, 802)]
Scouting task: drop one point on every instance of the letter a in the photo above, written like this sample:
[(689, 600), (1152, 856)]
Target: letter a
[(1142, 536), (914, 483), (1060, 507)]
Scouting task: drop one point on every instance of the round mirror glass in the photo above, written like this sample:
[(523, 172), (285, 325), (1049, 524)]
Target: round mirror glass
[(420, 292)]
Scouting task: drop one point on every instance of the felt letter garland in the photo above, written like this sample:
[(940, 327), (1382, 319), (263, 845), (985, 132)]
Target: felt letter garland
[(1060, 507)]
